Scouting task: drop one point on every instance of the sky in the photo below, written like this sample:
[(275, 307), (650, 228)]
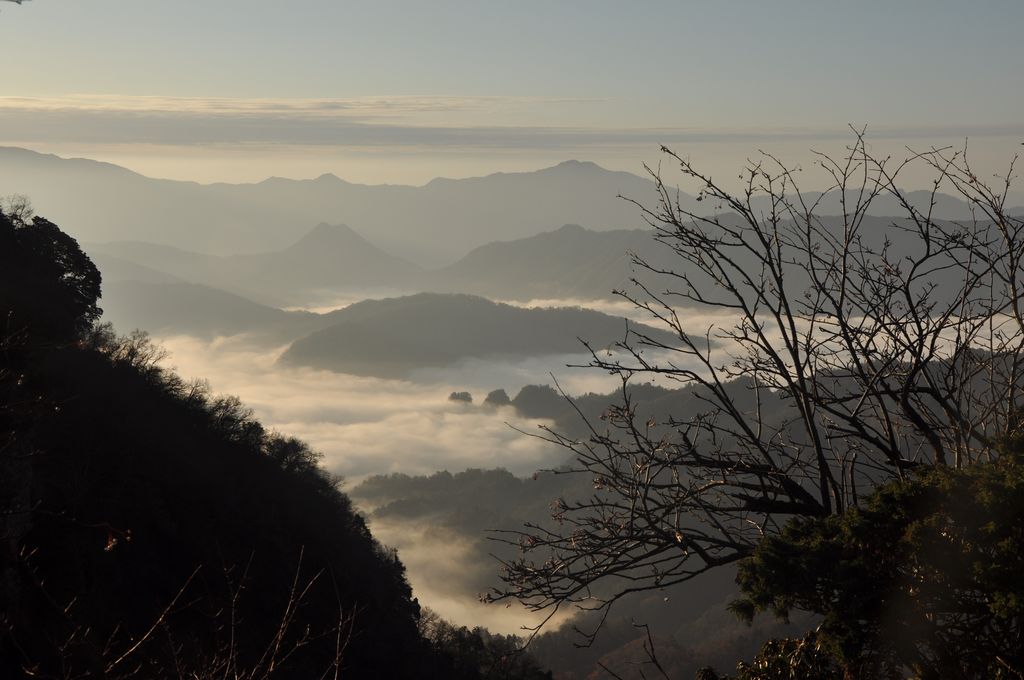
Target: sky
[(401, 92)]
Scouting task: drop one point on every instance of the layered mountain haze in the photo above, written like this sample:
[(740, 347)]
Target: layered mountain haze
[(119, 270), (179, 308), (433, 224), (571, 262), (333, 260), (170, 291), (327, 259)]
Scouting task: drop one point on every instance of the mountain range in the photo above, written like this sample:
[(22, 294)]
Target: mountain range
[(329, 258), (181, 308), (334, 262), (568, 263), (432, 225)]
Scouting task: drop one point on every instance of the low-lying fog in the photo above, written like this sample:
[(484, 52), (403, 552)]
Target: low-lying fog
[(366, 426), (324, 302)]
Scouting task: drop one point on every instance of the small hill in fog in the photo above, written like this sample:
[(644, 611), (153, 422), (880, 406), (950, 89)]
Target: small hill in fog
[(393, 337)]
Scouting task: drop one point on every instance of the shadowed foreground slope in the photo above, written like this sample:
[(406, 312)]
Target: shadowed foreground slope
[(153, 530)]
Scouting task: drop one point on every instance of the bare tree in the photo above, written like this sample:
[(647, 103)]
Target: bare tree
[(849, 350)]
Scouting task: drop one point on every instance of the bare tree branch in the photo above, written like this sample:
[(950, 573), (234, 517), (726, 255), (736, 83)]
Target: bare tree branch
[(850, 349)]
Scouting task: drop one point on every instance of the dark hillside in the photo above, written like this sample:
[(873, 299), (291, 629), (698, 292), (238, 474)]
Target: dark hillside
[(151, 530), (196, 483)]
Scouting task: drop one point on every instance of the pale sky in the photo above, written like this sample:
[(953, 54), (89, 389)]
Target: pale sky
[(238, 90)]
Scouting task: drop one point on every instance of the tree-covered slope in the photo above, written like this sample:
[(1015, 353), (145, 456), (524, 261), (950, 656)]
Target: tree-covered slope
[(140, 480), (152, 530)]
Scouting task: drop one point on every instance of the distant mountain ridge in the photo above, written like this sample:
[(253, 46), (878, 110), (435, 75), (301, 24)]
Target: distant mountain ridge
[(433, 224), (327, 258), (569, 263), (178, 308)]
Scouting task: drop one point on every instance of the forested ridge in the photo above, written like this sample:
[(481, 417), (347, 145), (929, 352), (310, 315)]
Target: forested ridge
[(152, 529)]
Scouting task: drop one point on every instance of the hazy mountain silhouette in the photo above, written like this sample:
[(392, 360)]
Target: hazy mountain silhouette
[(202, 311), (116, 269), (570, 262), (167, 290), (330, 257), (431, 224), (577, 263), (393, 337)]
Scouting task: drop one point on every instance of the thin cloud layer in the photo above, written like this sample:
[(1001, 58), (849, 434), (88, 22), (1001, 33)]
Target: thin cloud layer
[(366, 426), (538, 123), (357, 108)]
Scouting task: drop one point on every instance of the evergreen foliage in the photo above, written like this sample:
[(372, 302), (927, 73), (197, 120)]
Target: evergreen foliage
[(924, 576), (48, 287)]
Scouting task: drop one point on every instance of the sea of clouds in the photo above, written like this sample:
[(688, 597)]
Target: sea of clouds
[(365, 426)]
